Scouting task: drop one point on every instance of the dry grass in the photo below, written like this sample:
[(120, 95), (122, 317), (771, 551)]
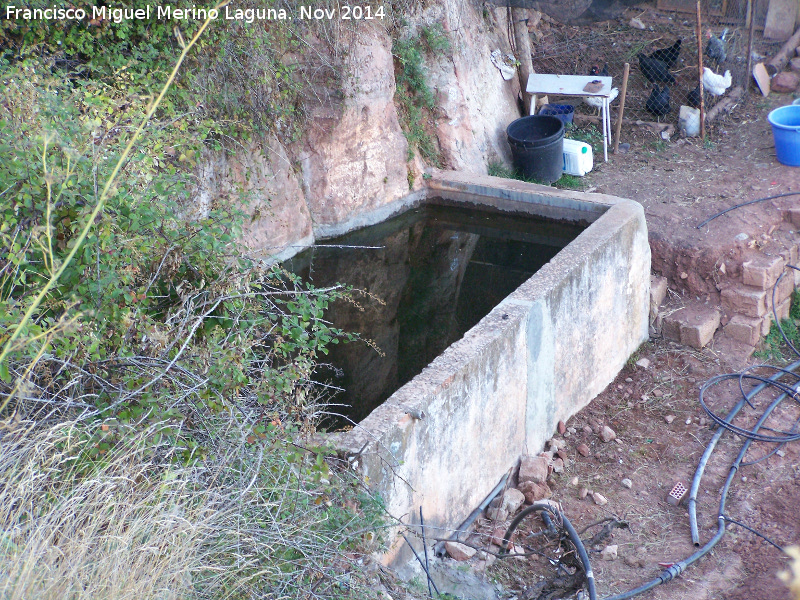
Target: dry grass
[(139, 525)]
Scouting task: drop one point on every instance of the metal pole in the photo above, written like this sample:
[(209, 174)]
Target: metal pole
[(622, 93), (700, 74)]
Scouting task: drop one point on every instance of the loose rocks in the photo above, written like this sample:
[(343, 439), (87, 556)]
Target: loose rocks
[(533, 468), (607, 434), (512, 500), (459, 551)]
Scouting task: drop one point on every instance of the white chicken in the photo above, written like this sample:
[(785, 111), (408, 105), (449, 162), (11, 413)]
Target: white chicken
[(716, 84), (596, 102)]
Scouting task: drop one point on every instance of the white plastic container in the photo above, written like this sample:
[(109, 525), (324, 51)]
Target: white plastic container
[(578, 158)]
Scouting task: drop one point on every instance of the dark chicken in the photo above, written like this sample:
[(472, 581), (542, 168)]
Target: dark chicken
[(595, 70), (693, 97), (669, 56), (658, 102), (715, 47), (656, 71)]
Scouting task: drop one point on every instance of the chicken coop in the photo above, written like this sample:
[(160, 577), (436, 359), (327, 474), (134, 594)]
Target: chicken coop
[(659, 41)]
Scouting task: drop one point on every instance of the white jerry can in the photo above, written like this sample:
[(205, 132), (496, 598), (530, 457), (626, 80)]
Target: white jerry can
[(578, 158)]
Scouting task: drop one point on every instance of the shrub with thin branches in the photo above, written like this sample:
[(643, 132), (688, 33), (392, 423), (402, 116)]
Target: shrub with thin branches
[(155, 387)]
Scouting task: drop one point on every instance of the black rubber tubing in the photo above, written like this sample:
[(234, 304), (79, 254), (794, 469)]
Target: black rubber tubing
[(573, 536)]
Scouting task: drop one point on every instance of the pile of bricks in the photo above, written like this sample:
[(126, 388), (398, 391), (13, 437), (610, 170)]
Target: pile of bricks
[(749, 304), (744, 305)]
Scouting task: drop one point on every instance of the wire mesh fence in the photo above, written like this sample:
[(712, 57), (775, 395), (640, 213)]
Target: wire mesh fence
[(659, 40)]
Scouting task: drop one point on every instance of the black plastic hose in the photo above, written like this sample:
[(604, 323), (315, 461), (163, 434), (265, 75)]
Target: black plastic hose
[(571, 532), (727, 210)]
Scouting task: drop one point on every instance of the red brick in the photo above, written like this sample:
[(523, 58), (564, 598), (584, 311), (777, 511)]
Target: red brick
[(744, 300), (763, 271), (744, 329)]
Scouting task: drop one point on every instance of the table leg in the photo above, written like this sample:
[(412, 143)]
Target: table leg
[(605, 129)]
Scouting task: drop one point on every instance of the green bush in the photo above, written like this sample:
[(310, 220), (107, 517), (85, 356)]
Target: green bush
[(155, 387), (416, 100)]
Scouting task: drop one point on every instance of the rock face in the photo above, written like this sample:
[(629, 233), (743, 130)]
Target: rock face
[(353, 156), (261, 180), (785, 82), (477, 103)]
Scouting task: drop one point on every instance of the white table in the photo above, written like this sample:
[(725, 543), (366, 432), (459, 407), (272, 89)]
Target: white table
[(572, 85)]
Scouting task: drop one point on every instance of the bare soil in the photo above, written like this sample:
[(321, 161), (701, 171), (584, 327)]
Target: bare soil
[(680, 183)]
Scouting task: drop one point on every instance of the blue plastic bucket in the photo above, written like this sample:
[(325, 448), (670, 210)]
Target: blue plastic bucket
[(562, 112), (785, 123)]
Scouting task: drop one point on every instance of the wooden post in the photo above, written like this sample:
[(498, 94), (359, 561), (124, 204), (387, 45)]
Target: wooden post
[(622, 93), (522, 41), (700, 74), (779, 61), (751, 14)]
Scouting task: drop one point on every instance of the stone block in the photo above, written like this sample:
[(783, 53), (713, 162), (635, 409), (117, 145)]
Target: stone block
[(671, 327), (785, 82), (783, 309), (793, 216), (744, 329), (789, 255), (766, 323), (533, 468), (658, 291), (783, 291), (692, 326), (699, 328), (744, 300), (763, 271)]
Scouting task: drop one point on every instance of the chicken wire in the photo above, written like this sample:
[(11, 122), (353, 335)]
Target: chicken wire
[(574, 50)]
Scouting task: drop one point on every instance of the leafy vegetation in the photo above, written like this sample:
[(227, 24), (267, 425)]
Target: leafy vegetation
[(773, 346), (566, 182), (416, 101), (156, 388)]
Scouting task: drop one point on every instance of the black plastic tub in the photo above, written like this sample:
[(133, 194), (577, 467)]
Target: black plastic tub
[(537, 146)]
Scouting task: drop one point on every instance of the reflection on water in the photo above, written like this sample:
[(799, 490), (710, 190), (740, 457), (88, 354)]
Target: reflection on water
[(431, 274)]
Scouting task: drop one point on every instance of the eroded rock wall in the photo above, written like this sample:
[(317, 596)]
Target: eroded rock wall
[(353, 157)]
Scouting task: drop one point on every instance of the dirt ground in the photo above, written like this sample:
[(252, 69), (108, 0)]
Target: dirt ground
[(654, 454), (660, 425), (680, 183)]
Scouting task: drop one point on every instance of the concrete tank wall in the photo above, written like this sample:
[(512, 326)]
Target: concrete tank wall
[(538, 357)]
